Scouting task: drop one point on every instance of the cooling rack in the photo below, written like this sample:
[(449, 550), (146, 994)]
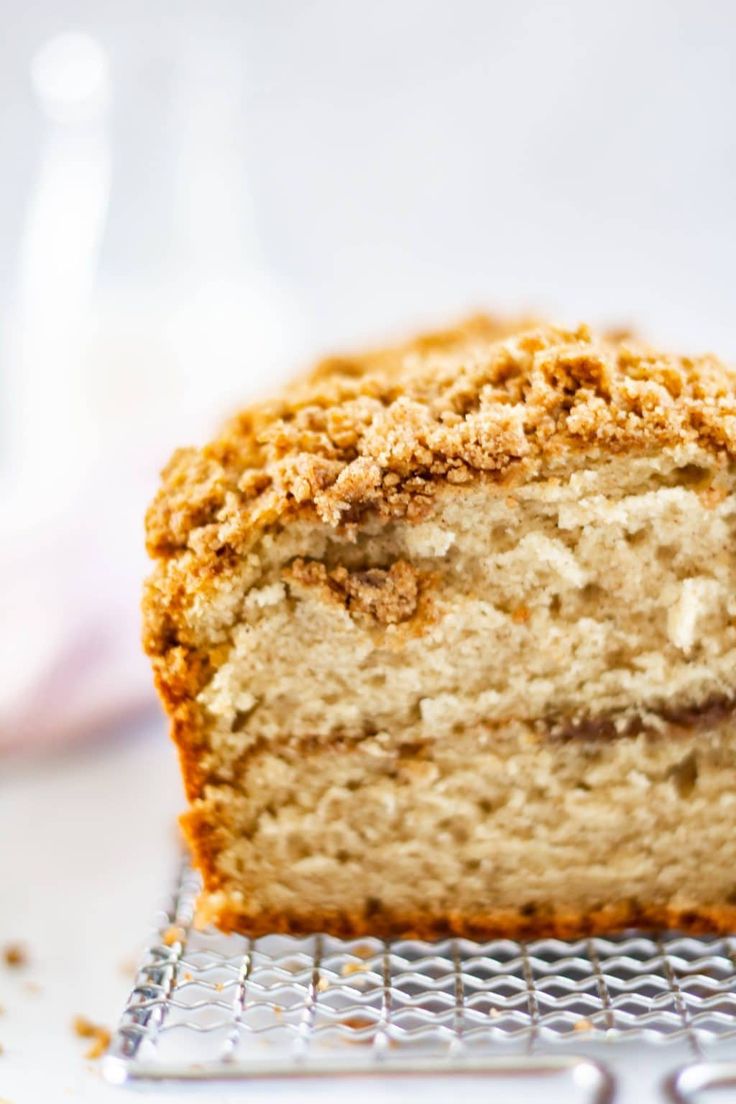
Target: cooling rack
[(209, 1006)]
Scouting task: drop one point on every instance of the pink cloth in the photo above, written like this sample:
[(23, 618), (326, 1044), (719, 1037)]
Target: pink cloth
[(72, 662)]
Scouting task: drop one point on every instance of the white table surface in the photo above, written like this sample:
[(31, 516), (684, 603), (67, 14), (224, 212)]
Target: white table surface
[(88, 852)]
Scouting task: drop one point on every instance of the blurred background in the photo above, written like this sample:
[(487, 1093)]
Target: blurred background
[(198, 198)]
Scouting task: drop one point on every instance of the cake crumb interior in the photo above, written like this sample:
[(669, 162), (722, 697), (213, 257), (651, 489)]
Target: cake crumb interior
[(428, 716)]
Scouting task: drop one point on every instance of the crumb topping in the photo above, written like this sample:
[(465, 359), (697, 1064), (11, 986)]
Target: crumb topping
[(388, 596), (379, 432)]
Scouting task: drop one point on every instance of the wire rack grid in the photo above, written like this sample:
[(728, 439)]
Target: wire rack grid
[(205, 1005)]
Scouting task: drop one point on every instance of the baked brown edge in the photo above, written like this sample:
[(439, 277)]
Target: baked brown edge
[(480, 928), (559, 922), (518, 924), (202, 836)]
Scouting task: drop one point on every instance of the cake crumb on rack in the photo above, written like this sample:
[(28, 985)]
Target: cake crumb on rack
[(99, 1035), (173, 934), (357, 1023), (353, 968)]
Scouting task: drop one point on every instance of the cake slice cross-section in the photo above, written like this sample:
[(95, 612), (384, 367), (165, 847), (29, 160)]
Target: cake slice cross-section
[(447, 638)]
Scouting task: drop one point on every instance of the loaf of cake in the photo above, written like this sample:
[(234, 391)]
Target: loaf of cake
[(446, 634)]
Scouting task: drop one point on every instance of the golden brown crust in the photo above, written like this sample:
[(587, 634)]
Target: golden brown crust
[(484, 926), (557, 922)]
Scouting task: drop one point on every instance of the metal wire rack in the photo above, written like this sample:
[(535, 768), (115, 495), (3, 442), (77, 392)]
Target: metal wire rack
[(205, 1005)]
